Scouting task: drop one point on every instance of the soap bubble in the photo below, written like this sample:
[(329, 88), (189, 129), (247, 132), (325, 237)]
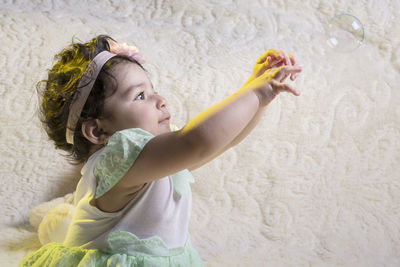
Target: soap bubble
[(345, 33)]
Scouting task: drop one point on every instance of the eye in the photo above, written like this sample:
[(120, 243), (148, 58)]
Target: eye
[(140, 96)]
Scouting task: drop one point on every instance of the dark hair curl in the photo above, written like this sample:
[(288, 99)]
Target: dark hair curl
[(56, 94)]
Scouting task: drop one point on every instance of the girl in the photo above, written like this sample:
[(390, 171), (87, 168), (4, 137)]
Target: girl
[(133, 201)]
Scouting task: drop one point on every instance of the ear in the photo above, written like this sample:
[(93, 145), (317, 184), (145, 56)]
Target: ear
[(93, 133)]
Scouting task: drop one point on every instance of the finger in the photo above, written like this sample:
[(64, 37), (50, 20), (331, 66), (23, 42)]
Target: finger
[(294, 63), (270, 52), (297, 74), (282, 55), (281, 73), (274, 62), (287, 59), (292, 59), (294, 76), (284, 87), (287, 62)]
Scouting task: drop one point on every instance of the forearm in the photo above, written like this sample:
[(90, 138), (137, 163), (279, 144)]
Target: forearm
[(249, 127), (225, 122), (245, 132)]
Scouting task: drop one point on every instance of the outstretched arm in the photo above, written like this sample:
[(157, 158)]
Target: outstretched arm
[(281, 58), (246, 131)]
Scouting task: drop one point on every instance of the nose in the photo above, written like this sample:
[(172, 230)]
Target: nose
[(160, 101)]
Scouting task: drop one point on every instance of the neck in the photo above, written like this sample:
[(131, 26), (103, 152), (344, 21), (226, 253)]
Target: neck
[(94, 148)]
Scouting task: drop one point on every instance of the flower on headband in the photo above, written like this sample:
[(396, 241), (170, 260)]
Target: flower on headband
[(125, 50)]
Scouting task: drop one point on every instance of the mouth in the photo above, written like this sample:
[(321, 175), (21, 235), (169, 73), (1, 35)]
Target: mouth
[(166, 119)]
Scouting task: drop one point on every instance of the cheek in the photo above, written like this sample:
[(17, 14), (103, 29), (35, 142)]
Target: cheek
[(135, 119)]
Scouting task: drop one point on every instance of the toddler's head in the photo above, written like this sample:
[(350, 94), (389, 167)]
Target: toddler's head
[(95, 89)]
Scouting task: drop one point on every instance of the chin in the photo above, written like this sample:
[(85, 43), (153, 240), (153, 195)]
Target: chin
[(163, 130), (167, 130)]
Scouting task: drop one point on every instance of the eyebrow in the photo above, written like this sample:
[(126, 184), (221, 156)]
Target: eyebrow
[(132, 88), (135, 87)]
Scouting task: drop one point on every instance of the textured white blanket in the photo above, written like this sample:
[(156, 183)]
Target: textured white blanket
[(317, 183)]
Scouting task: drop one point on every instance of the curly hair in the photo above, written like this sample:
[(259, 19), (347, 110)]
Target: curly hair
[(56, 94)]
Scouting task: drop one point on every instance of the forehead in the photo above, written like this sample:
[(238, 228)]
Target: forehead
[(129, 73)]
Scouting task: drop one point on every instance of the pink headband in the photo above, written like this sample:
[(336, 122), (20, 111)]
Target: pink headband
[(86, 83)]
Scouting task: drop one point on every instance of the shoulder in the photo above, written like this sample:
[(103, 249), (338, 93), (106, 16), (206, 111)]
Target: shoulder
[(110, 165), (117, 157)]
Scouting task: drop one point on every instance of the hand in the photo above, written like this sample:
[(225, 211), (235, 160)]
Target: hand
[(273, 59), (269, 73), (287, 60)]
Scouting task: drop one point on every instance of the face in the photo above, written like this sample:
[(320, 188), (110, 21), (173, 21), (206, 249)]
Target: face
[(134, 104)]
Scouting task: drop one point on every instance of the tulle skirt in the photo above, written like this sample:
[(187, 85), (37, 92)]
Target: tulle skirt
[(57, 254)]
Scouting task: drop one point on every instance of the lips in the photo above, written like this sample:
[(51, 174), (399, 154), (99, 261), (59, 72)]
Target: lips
[(166, 118)]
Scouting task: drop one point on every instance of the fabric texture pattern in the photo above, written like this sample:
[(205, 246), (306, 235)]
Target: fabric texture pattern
[(56, 254), (118, 156)]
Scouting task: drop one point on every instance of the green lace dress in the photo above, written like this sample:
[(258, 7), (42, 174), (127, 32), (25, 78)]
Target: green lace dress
[(151, 230)]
